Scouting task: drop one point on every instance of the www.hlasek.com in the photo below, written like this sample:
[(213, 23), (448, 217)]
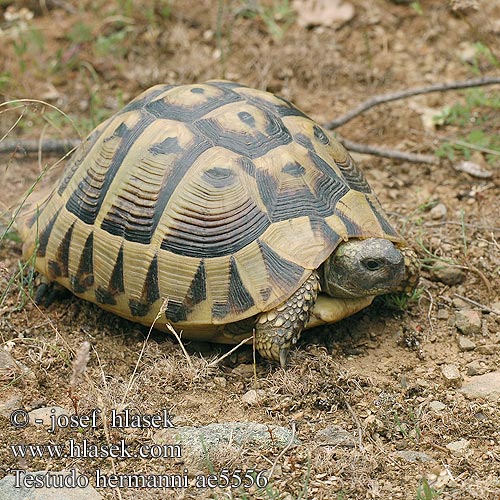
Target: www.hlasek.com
[(84, 449)]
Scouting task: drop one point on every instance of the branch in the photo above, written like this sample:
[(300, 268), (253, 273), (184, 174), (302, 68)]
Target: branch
[(46, 146), (393, 96), (394, 154)]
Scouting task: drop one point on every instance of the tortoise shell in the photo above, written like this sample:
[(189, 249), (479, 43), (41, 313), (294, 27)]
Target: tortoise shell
[(200, 204)]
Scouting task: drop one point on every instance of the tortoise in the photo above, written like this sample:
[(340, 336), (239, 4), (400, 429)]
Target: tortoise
[(220, 210)]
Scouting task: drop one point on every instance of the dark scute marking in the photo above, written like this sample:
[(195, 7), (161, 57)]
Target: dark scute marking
[(190, 113), (284, 110), (247, 165), (282, 272), (77, 158), (138, 308), (319, 226), (167, 146), (246, 118), (120, 131), (304, 141), (252, 145), (129, 223), (384, 223), (219, 177), (176, 311), (238, 300), (140, 103), (197, 90), (84, 277), (283, 203), (320, 135), (151, 291), (295, 169), (104, 296), (226, 238), (54, 269), (265, 293), (43, 239), (116, 284), (354, 176), (353, 229), (62, 254), (85, 202)]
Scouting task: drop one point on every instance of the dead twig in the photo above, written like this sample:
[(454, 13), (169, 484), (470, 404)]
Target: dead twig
[(46, 146), (477, 304), (395, 154), (394, 96)]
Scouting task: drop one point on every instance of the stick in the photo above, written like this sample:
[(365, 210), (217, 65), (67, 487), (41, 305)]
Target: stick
[(47, 146), (393, 96), (395, 154)]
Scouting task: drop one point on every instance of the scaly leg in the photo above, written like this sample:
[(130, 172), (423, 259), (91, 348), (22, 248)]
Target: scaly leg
[(279, 329)]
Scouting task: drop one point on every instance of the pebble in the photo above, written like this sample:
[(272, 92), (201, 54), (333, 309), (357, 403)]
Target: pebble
[(9, 369), (476, 367), (412, 456), (437, 406), (447, 274), (253, 396), (10, 400), (458, 448), (465, 344), (45, 413), (451, 375), (485, 386), (488, 349), (9, 489), (438, 212), (443, 314), (243, 370), (335, 435), (468, 321)]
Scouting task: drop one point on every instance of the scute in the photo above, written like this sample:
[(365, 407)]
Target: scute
[(207, 203)]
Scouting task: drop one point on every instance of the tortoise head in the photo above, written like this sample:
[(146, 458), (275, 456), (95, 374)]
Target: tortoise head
[(360, 268)]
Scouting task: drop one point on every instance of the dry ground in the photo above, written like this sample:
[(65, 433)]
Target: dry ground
[(376, 373)]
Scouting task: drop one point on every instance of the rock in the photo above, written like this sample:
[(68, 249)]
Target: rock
[(10, 400), (468, 321), (253, 396), (447, 274), (438, 212), (465, 344), (485, 386), (443, 314), (335, 435), (244, 370), (412, 456), (200, 444), (9, 368), (451, 375), (488, 349), (42, 415), (458, 448), (476, 367), (437, 406), (10, 491)]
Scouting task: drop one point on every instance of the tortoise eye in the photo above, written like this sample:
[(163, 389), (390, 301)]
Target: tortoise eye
[(372, 264)]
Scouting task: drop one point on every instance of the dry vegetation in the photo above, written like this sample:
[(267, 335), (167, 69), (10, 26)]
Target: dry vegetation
[(375, 375)]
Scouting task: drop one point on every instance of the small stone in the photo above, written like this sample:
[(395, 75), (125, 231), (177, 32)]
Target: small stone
[(413, 456), (10, 400), (458, 448), (488, 349), (438, 212), (253, 396), (335, 435), (447, 274), (465, 344), (443, 314), (9, 368), (451, 375), (243, 370), (42, 415), (437, 406), (468, 321), (476, 367), (485, 386)]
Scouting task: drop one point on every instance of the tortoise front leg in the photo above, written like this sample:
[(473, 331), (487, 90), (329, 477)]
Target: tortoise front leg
[(278, 329)]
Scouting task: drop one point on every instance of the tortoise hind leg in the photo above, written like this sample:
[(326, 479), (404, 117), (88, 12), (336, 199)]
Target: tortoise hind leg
[(278, 329), (48, 292)]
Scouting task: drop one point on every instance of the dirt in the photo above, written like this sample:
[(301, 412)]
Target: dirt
[(377, 375)]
